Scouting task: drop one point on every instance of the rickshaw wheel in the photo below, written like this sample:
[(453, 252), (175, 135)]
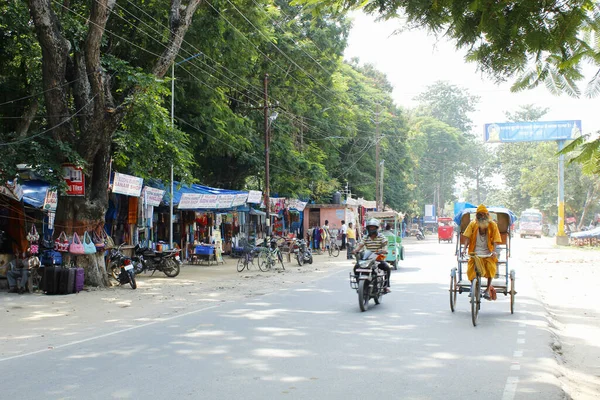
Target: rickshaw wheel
[(453, 289), (475, 299), (512, 292)]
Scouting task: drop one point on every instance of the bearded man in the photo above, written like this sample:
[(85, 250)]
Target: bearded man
[(483, 238)]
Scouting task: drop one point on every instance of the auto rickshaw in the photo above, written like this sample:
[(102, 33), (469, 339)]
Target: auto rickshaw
[(445, 229), (393, 235)]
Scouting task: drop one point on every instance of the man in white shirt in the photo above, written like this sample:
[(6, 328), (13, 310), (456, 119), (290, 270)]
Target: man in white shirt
[(344, 232)]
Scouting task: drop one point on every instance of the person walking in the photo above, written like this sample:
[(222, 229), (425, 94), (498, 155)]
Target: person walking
[(344, 232)]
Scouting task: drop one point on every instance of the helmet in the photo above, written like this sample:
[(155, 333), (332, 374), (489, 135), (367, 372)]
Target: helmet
[(373, 222)]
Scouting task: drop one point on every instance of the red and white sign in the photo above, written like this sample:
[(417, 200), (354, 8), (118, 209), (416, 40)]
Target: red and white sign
[(75, 180), (127, 185), (153, 196)]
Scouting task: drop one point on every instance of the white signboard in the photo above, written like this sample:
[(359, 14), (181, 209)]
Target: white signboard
[(51, 200), (127, 185), (297, 204), (14, 192), (209, 201), (239, 199), (190, 201), (254, 196), (225, 200), (153, 196)]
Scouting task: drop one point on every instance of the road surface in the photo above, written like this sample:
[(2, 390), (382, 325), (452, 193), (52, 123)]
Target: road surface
[(311, 341)]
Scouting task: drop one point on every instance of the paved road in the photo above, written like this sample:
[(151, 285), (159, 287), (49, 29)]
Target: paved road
[(312, 341)]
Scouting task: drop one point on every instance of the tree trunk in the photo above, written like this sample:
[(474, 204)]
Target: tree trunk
[(98, 117), (591, 194)]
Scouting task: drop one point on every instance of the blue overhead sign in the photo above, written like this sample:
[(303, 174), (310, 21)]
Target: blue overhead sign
[(511, 132)]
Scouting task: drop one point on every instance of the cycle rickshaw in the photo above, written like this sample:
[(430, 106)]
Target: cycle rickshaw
[(504, 281)]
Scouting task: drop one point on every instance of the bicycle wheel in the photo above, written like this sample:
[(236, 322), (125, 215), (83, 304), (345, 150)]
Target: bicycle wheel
[(453, 290), (241, 264), (334, 250), (475, 299), (263, 262)]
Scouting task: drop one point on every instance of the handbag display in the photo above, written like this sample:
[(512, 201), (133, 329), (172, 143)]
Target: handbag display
[(88, 244), (33, 235), (109, 242), (98, 240), (34, 249), (62, 243), (76, 247)]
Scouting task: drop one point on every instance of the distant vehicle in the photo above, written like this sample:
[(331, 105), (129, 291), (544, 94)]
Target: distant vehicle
[(530, 223)]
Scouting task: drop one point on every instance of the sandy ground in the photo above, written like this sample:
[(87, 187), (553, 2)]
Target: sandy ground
[(567, 280), (33, 321)]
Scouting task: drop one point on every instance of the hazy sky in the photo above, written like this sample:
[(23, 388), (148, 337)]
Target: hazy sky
[(413, 60)]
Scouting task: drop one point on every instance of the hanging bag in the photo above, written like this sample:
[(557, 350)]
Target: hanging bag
[(109, 243), (62, 243), (33, 235), (88, 244), (98, 240), (76, 247)]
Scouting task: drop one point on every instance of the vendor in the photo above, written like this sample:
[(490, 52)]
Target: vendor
[(18, 273)]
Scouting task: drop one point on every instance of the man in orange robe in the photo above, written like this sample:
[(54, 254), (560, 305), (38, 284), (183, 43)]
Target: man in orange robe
[(483, 237)]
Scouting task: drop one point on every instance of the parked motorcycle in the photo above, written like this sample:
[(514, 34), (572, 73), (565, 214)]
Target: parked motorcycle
[(420, 234), (304, 254), (367, 279), (121, 268), (168, 262)]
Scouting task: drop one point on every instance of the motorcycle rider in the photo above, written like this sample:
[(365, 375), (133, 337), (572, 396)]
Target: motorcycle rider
[(376, 242)]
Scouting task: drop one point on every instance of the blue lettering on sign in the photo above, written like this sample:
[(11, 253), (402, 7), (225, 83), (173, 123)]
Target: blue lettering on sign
[(511, 132)]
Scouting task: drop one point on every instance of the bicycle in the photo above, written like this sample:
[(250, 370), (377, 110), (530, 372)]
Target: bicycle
[(333, 249), (269, 257), (247, 258)]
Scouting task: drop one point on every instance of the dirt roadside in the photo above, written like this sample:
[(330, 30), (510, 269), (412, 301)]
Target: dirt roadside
[(32, 322), (567, 280)]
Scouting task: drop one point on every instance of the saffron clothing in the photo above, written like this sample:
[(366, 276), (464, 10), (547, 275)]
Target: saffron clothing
[(492, 237)]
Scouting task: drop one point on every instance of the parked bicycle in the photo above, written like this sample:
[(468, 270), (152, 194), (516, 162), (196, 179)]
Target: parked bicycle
[(248, 255), (270, 256), (333, 249)]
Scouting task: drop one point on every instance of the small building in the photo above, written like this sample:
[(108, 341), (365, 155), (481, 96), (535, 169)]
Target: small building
[(315, 215)]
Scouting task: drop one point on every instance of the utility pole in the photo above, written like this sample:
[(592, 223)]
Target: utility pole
[(381, 186), (377, 150), (172, 127), (267, 190)]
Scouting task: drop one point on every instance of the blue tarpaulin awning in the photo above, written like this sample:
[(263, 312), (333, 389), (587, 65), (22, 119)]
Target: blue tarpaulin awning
[(192, 189), (34, 192)]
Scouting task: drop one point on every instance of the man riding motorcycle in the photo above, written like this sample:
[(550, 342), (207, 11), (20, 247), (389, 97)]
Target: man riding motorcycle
[(376, 242)]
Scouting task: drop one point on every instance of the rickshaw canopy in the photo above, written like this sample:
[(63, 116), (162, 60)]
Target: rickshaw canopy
[(505, 218)]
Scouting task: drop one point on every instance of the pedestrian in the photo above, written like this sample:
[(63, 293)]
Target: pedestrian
[(351, 235), (325, 236), (344, 232)]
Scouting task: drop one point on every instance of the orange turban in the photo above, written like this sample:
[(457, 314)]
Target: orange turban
[(482, 209)]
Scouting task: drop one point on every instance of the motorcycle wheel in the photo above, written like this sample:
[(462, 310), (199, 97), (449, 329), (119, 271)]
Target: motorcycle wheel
[(132, 280), (363, 295), (171, 268), (310, 260), (300, 258)]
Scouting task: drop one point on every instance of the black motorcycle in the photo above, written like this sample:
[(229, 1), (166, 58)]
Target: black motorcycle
[(420, 234), (304, 254), (167, 262), (121, 268), (367, 279)]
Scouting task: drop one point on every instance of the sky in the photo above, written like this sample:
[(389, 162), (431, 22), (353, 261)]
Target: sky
[(412, 60)]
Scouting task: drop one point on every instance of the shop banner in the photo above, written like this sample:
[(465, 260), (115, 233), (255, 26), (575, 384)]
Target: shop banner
[(297, 204), (51, 200), (225, 200), (153, 196), (239, 199), (73, 176), (209, 201), (511, 132), (190, 201), (254, 197), (127, 185)]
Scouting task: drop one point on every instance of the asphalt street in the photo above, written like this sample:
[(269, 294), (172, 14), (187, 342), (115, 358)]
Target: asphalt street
[(311, 341)]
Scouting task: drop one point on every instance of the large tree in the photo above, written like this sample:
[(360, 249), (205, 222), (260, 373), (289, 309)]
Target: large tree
[(85, 103)]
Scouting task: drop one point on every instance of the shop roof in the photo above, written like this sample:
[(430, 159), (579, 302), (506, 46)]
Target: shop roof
[(34, 192), (191, 188)]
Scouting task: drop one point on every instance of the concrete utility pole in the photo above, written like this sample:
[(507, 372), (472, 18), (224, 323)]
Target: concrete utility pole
[(378, 199), (267, 191), (381, 186)]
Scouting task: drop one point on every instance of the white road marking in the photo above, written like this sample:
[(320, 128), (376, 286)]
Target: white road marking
[(521, 332), (511, 388), (518, 353), (520, 341), (515, 367), (60, 346), (522, 325)]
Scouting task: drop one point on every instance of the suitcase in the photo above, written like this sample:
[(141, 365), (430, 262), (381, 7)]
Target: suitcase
[(79, 278), (51, 279), (67, 281)]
